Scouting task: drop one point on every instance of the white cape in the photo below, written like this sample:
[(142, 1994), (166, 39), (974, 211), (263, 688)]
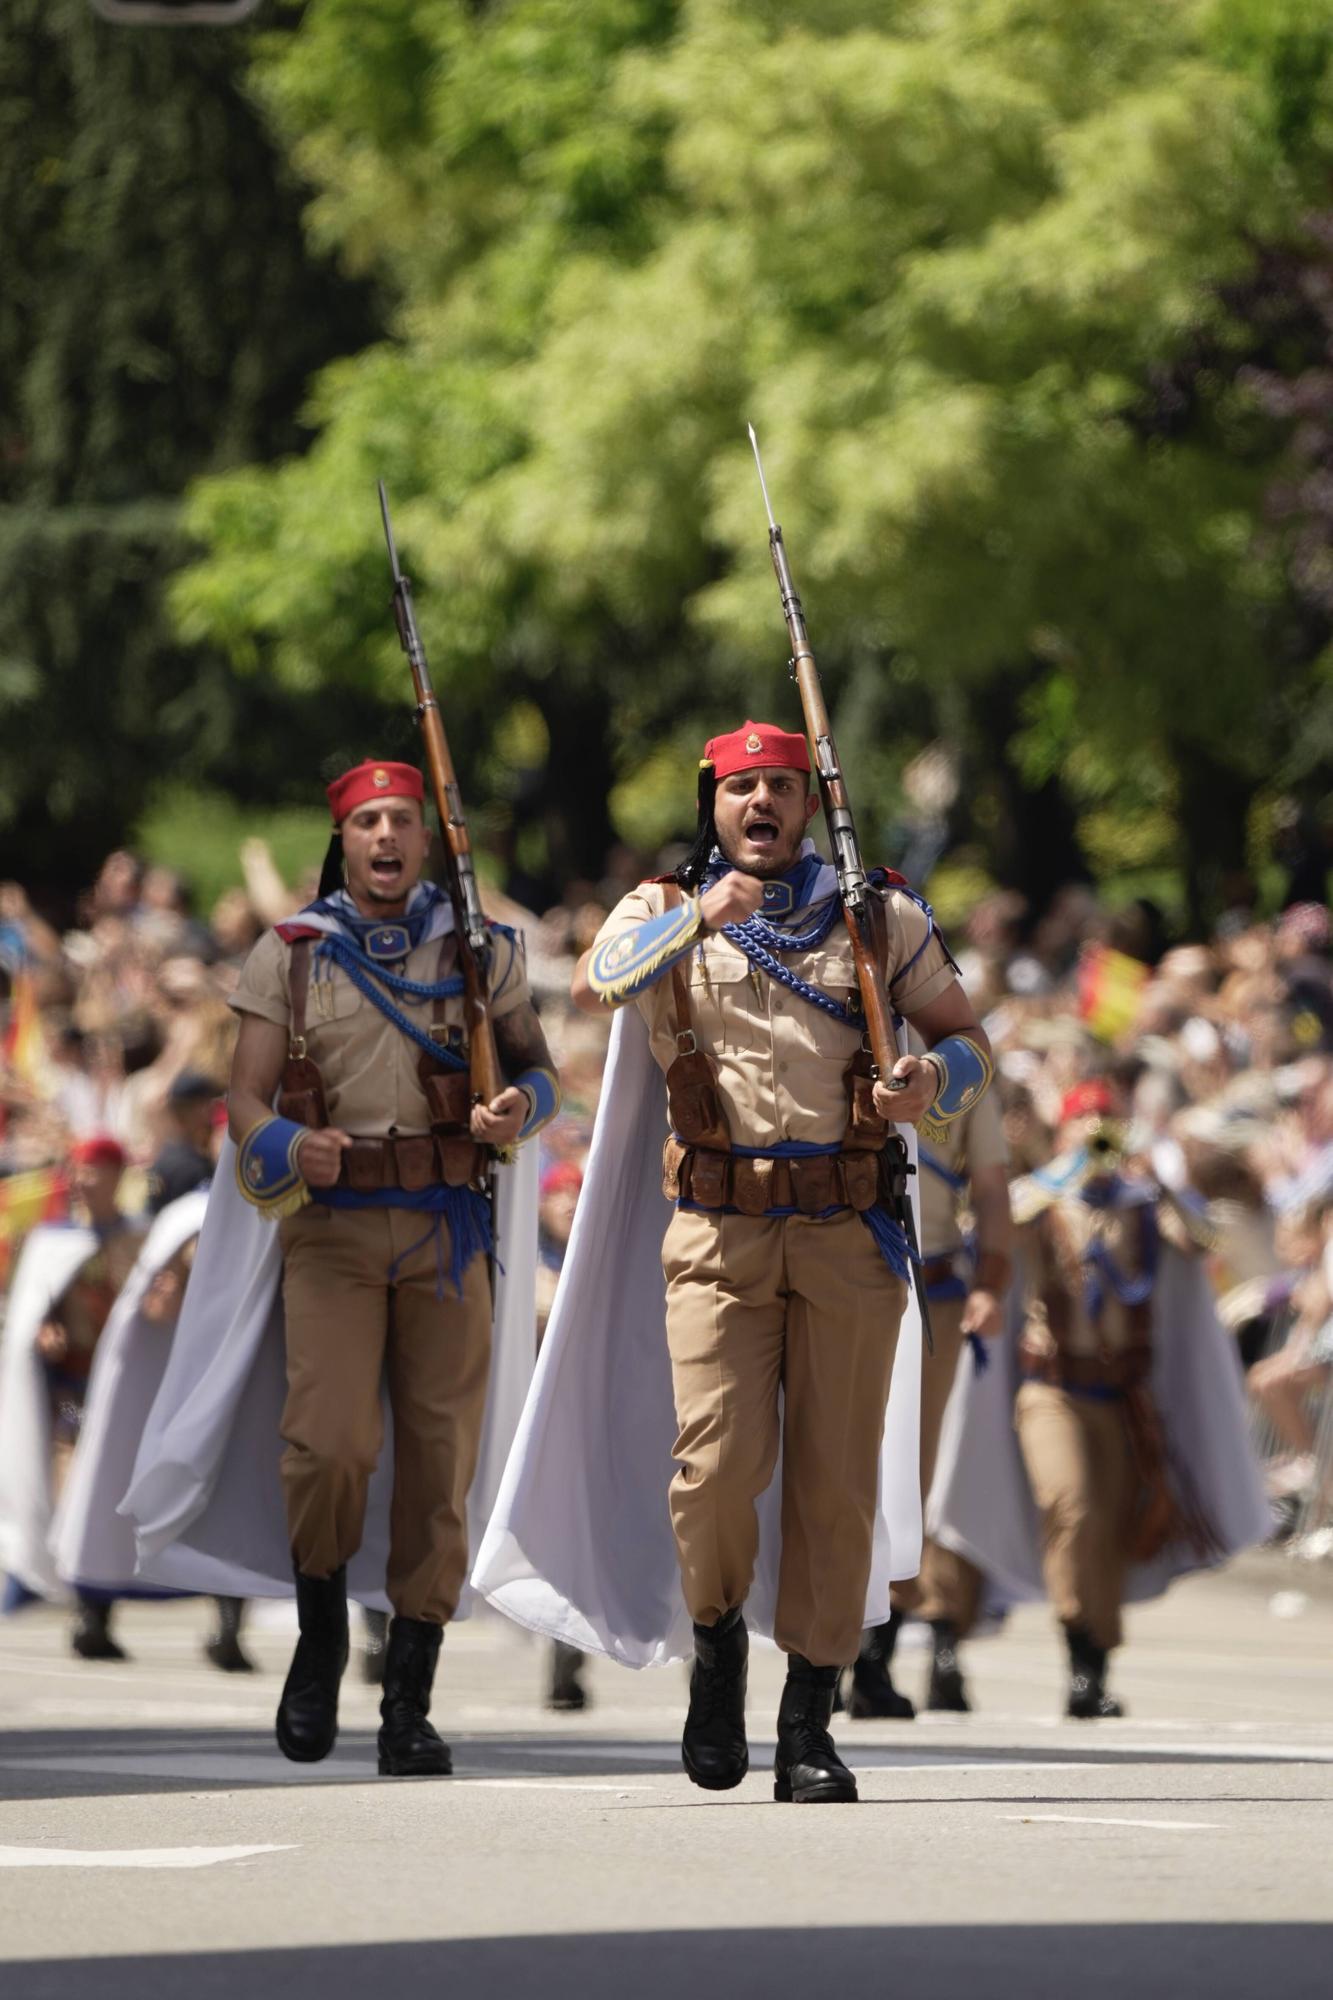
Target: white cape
[(580, 1545), (980, 1502), (90, 1542), (206, 1495), (51, 1257)]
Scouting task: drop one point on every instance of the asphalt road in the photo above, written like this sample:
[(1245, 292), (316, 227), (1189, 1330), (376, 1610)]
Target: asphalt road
[(154, 1843)]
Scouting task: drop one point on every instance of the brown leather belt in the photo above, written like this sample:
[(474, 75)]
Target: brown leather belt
[(819, 1181), (412, 1163), (1089, 1371)]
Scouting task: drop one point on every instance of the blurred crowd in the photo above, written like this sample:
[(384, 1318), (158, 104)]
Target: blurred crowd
[(1219, 1054)]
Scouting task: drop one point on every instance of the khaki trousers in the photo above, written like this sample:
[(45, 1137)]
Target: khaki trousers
[(758, 1306), (948, 1586), (347, 1327), (1078, 1465)]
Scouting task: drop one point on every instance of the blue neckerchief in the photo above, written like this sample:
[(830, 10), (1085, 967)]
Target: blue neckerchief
[(1100, 1269), (382, 939)]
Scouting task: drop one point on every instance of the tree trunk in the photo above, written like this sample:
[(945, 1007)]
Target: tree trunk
[(1214, 820)]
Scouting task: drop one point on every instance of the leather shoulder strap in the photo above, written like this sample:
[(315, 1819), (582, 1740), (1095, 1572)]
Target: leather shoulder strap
[(682, 1014)]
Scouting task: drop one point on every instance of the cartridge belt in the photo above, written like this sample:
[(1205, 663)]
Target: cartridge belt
[(810, 1183), (412, 1163)]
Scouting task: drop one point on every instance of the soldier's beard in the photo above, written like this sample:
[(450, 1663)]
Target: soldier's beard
[(764, 867)]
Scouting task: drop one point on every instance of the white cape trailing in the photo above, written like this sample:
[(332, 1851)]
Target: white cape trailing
[(580, 1545), (206, 1495), (51, 1257), (981, 1505), (91, 1543)]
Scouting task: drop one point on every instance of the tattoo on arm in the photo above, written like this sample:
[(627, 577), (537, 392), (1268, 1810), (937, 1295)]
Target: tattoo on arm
[(520, 1042)]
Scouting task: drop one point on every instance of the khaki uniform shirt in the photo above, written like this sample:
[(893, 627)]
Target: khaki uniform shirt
[(779, 1061), (1077, 1225), (972, 1141), (369, 1066)]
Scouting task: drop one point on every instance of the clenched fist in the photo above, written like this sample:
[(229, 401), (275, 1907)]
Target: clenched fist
[(500, 1122), (916, 1092), (732, 900), (319, 1156)]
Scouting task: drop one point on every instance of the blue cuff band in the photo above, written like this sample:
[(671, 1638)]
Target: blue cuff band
[(624, 966), (965, 1074), (543, 1094), (266, 1166)]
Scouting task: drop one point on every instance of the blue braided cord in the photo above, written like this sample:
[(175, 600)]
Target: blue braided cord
[(980, 1353), (363, 978), (890, 1240), (467, 1212), (759, 946), (1101, 1270)]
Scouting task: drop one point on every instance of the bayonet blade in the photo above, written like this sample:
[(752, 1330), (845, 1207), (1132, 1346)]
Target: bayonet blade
[(763, 483), (388, 532)]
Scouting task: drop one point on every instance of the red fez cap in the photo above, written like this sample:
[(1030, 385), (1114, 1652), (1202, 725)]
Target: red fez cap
[(1085, 1098), (101, 1150), (562, 1175), (755, 744), (373, 781)]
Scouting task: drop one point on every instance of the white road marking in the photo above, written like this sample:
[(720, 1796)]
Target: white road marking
[(547, 1785), (1086, 1819), (131, 1857)]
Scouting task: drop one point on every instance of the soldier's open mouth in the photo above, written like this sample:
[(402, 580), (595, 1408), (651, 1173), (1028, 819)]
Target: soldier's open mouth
[(386, 866), (761, 832)]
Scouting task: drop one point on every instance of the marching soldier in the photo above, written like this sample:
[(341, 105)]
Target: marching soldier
[(375, 1166), (785, 1266)]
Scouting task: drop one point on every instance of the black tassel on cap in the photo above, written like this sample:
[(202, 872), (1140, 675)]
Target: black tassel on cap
[(691, 870), (331, 875)]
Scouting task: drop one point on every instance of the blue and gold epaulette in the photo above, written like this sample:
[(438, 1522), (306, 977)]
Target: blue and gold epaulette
[(266, 1172), (621, 967)]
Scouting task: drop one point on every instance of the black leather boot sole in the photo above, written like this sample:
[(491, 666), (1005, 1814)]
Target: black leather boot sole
[(421, 1763), (825, 1790)]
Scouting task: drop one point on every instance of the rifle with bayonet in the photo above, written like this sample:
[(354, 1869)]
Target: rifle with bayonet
[(854, 888), (474, 945)]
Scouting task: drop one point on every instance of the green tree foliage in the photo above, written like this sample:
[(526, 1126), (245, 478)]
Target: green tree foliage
[(162, 315), (985, 273)]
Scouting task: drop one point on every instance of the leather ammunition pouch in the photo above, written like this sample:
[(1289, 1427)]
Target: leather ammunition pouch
[(412, 1164), (810, 1185), (865, 1127)]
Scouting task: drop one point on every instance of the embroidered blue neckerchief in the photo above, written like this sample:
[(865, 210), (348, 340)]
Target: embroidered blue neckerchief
[(383, 940)]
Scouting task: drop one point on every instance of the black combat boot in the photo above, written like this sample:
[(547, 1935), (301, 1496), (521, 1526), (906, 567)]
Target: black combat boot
[(223, 1650), (872, 1692), (947, 1690), (408, 1746), (566, 1693), (374, 1639), (713, 1748), (807, 1769), (91, 1637), (307, 1726), (1088, 1699)]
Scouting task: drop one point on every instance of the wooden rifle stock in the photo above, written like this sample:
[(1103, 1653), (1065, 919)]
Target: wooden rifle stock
[(487, 1077)]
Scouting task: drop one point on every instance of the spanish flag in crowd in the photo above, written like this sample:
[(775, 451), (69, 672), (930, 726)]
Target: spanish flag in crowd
[(1110, 986), (23, 1045), (26, 1200)]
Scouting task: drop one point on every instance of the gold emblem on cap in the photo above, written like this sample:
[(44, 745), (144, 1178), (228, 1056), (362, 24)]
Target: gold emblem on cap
[(754, 741), (379, 777)]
